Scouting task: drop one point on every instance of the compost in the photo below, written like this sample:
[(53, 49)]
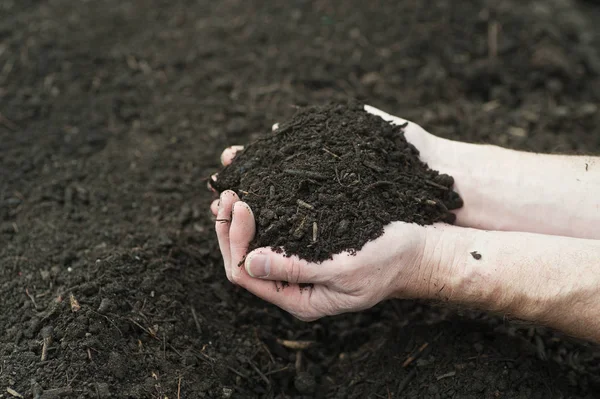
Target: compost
[(331, 178)]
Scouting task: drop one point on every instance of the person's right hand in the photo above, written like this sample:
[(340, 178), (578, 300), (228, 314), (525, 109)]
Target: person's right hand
[(400, 263)]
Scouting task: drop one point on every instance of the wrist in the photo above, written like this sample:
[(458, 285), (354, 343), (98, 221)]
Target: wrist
[(437, 265), (461, 264), (526, 276)]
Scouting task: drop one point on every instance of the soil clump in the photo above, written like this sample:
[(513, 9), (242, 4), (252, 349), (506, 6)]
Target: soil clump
[(331, 178)]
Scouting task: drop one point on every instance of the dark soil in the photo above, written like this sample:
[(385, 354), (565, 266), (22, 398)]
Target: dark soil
[(114, 112), (331, 178)]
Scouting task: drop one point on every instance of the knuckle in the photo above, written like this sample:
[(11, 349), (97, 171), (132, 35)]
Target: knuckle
[(293, 271)]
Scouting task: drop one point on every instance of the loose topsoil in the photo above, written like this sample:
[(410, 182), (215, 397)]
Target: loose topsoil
[(113, 113), (314, 203)]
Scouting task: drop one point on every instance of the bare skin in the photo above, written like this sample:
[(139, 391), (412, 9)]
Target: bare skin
[(541, 263)]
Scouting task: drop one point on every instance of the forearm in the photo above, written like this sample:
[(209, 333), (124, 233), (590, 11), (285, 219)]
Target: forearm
[(516, 191), (553, 281)]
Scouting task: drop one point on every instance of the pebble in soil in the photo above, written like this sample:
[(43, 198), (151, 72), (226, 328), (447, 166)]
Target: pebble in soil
[(329, 180)]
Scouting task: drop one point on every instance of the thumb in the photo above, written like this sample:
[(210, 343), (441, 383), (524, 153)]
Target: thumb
[(265, 264)]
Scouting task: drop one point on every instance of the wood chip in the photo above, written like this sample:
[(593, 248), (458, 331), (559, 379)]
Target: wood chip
[(305, 204), (75, 306), (296, 345), (449, 374), (14, 393)]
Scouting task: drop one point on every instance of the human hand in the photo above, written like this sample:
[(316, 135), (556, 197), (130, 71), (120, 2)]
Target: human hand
[(397, 264)]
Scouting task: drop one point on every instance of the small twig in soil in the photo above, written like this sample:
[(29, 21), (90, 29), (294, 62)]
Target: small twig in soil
[(305, 173), (260, 373), (206, 358), (405, 381), (379, 184), (330, 153), (14, 393), (443, 206), (296, 345), (46, 343), (109, 320), (448, 374), (434, 184), (146, 330), (175, 350), (263, 346), (244, 376), (179, 388), (305, 204), (493, 39), (416, 355), (298, 362), (196, 321), (57, 392), (250, 193), (31, 298), (337, 176), (315, 232)]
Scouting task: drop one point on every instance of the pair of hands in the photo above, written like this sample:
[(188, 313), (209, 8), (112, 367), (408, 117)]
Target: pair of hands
[(525, 245), (397, 264)]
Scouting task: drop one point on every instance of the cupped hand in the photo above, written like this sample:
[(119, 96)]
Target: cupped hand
[(397, 264), (393, 265)]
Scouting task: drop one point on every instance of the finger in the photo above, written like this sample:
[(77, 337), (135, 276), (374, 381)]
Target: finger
[(275, 126), (265, 264), (385, 116), (414, 133), (213, 177), (241, 233), (229, 153), (214, 207), (222, 227), (304, 303)]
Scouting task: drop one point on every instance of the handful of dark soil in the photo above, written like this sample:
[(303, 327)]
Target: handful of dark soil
[(331, 178)]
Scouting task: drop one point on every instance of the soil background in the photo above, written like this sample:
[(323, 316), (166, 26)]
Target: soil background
[(112, 114)]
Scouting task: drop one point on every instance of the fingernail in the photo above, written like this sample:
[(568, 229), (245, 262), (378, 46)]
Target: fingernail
[(258, 265)]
